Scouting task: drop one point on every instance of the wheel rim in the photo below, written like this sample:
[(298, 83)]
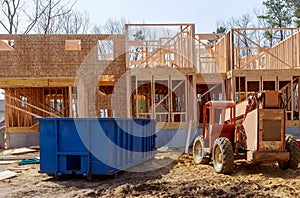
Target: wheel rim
[(198, 151), (218, 157)]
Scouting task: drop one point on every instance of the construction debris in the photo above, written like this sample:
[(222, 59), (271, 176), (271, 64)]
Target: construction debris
[(17, 151), (36, 160), (7, 174), (18, 157), (18, 154), (3, 162), (17, 168)]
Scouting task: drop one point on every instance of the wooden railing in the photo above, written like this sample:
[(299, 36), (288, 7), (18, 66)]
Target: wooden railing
[(237, 51), (262, 53), (164, 51)]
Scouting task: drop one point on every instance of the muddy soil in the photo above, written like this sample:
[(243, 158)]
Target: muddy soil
[(179, 177)]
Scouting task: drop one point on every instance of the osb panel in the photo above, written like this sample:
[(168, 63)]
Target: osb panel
[(73, 45), (46, 55), (104, 102)]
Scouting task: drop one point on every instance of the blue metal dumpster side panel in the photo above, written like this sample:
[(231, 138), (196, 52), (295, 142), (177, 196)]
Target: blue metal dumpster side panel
[(94, 145), (68, 138), (72, 153), (123, 145), (48, 145)]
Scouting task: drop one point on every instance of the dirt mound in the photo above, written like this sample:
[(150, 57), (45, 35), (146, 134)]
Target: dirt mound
[(179, 178)]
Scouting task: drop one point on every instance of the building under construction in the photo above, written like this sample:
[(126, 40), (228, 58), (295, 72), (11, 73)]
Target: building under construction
[(167, 73)]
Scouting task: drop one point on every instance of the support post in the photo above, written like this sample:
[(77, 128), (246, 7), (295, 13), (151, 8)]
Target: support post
[(188, 136), (70, 102), (298, 99), (292, 98)]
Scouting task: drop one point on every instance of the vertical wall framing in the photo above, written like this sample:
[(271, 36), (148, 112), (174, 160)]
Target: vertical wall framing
[(165, 97)]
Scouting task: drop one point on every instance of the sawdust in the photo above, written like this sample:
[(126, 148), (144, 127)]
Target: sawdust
[(179, 178)]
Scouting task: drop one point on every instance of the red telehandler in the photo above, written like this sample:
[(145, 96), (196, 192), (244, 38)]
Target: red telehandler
[(253, 130)]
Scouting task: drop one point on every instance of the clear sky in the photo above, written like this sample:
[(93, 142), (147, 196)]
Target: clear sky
[(204, 13)]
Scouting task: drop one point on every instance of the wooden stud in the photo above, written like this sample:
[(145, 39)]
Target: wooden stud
[(70, 102)]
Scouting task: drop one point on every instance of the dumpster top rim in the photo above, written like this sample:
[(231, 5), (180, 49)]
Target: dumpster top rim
[(81, 119)]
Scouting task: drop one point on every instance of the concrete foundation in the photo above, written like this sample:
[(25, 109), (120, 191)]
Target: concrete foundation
[(295, 131), (23, 140), (175, 137), (165, 137)]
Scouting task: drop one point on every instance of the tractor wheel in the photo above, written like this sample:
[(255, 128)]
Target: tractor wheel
[(198, 152), (223, 156), (291, 146)]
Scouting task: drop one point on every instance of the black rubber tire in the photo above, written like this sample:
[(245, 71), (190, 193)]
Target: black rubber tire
[(223, 156), (291, 146), (198, 152)]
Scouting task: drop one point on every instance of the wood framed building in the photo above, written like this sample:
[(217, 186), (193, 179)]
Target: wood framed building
[(167, 74)]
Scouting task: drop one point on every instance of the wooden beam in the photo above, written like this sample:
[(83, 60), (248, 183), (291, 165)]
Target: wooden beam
[(263, 29), (17, 108), (30, 105), (210, 78), (29, 82), (159, 24), (266, 72), (292, 123), (61, 82), (36, 82), (210, 90), (206, 36), (12, 130), (106, 83)]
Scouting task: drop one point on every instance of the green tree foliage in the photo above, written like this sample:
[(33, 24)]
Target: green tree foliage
[(220, 30), (139, 36), (277, 15), (294, 5)]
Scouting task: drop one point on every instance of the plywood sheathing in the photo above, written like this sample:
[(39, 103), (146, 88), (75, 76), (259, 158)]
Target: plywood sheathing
[(43, 61), (45, 55)]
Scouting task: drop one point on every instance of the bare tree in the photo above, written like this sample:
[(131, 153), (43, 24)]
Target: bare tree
[(114, 26), (97, 29), (42, 15), (49, 22), (34, 16), (11, 20), (75, 22), (111, 26), (243, 22)]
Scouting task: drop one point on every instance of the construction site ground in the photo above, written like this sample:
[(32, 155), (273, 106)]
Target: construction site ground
[(179, 177)]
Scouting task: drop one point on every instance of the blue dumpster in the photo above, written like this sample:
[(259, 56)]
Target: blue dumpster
[(94, 146)]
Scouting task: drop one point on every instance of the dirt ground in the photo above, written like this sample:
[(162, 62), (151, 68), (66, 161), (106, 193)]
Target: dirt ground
[(179, 178)]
